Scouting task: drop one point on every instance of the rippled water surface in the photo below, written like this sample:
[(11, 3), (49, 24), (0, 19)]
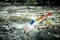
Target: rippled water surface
[(14, 18)]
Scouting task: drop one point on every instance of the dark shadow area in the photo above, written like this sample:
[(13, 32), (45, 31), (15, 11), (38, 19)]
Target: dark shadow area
[(38, 2)]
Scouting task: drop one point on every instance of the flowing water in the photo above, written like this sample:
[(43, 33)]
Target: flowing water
[(13, 19)]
